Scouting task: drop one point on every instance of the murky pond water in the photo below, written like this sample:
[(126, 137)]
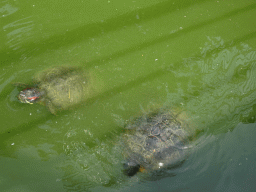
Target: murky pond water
[(198, 57)]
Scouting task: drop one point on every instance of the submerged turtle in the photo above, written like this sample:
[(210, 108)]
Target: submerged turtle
[(155, 141), (58, 88)]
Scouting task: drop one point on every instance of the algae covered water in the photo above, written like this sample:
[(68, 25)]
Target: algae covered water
[(198, 57)]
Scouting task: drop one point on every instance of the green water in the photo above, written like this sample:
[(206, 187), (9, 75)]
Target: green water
[(197, 56)]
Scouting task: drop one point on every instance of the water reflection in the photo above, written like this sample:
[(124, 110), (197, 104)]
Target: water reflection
[(8, 9), (18, 32)]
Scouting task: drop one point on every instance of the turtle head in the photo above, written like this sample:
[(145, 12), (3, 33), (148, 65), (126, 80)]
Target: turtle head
[(30, 95), (131, 168)]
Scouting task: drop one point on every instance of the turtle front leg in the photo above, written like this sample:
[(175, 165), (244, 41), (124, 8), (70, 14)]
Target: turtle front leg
[(51, 107)]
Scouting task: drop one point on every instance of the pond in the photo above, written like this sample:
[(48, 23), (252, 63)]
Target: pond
[(198, 57)]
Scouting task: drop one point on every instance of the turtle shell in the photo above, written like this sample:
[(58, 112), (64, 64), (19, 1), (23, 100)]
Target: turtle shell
[(154, 141), (63, 87)]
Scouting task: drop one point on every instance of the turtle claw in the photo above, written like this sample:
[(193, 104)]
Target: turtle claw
[(51, 108)]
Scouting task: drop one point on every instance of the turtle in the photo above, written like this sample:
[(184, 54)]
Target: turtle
[(59, 88), (155, 141)]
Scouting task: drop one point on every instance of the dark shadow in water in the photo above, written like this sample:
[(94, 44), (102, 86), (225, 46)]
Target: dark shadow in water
[(94, 29), (109, 93)]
